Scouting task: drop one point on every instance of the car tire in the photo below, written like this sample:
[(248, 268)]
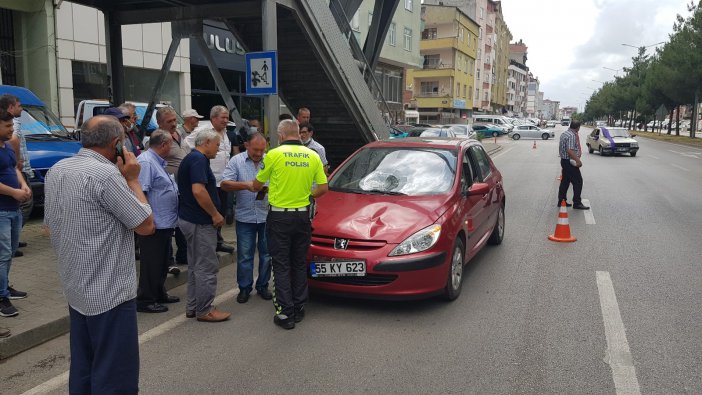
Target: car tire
[(516, 136), (544, 136), (454, 280), (632, 154), (589, 149), (495, 134), (599, 149), (498, 232)]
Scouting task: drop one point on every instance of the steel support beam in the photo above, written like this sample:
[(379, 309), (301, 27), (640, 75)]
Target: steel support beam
[(383, 11), (348, 6), (270, 43), (156, 92), (219, 81), (115, 71)]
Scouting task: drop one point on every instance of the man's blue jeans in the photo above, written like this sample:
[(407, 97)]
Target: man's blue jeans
[(10, 228), (246, 242)]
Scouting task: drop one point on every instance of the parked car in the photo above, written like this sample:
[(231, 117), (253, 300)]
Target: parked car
[(89, 108), (608, 141), (462, 130), (551, 123), (498, 120), (402, 217), (565, 121), (485, 130), (431, 132), (531, 131), (48, 141)]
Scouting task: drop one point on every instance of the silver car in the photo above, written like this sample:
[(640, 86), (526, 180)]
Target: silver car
[(608, 141), (531, 131), (462, 130)]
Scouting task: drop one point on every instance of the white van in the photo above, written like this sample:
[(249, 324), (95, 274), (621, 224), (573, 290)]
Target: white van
[(498, 120)]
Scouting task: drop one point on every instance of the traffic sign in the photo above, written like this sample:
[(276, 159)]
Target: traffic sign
[(661, 113), (262, 73)]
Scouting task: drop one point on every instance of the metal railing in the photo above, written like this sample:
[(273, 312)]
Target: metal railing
[(367, 72)]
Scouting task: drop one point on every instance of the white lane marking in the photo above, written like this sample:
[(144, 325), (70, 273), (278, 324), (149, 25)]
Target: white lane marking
[(679, 167), (654, 157), (62, 379), (686, 154), (589, 215), (618, 355), (502, 153)]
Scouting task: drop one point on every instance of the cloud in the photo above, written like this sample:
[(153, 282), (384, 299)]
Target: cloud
[(571, 42)]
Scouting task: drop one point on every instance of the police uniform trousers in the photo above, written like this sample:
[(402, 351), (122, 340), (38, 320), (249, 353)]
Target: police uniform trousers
[(289, 237)]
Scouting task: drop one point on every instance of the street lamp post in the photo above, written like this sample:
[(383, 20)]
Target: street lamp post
[(643, 46)]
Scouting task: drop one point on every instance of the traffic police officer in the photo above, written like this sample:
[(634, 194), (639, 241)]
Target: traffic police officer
[(290, 170)]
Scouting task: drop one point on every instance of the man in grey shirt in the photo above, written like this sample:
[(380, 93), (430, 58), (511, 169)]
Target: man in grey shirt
[(94, 205)]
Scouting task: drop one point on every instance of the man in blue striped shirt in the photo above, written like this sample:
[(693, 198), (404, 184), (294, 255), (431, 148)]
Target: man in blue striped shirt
[(570, 150), (251, 212)]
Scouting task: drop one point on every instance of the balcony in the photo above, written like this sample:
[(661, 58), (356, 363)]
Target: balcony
[(434, 64), (433, 73), (442, 43)]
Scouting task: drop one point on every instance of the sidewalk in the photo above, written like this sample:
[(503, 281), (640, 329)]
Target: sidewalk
[(490, 147), (44, 314)]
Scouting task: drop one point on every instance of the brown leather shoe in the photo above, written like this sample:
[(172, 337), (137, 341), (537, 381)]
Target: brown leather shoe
[(215, 316)]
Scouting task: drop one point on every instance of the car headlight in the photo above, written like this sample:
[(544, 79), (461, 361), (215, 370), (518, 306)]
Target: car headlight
[(418, 242), (634, 144)]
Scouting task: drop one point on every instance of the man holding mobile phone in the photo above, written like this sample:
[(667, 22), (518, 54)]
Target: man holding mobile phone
[(251, 212)]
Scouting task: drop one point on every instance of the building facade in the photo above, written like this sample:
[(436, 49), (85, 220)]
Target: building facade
[(551, 109), (443, 88), (60, 54), (532, 107), (501, 39), (517, 79), (401, 50)]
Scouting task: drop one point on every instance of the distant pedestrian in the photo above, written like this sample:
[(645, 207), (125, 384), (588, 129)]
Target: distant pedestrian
[(251, 211), (291, 169), (162, 193), (94, 205), (303, 115), (13, 191), (191, 119), (306, 133), (569, 149), (12, 104), (199, 221), (167, 120)]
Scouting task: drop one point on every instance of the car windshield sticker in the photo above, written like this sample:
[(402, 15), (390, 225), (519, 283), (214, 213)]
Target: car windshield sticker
[(605, 134)]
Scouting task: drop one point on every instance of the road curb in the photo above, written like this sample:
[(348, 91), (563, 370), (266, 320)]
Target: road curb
[(33, 337)]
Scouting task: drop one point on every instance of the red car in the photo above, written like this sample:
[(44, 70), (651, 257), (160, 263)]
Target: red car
[(402, 217)]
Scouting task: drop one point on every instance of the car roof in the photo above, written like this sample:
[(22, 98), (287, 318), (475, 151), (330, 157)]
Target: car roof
[(425, 142), (24, 95)]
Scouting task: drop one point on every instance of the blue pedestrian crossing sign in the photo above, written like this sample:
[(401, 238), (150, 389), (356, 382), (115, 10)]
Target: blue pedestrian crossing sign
[(262, 73)]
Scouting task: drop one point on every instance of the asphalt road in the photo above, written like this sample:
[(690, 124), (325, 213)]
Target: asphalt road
[(622, 304)]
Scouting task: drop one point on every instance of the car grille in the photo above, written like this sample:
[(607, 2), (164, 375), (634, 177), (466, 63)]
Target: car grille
[(367, 280), (354, 245), (623, 145)]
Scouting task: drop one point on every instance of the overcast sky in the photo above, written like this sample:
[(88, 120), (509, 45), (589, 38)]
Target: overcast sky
[(570, 41)]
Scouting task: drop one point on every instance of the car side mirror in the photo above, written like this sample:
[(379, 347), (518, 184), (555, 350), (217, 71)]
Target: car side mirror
[(478, 189)]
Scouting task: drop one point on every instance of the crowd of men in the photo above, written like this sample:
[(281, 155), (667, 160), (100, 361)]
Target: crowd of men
[(122, 197)]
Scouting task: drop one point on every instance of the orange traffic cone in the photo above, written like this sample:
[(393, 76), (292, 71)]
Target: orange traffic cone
[(562, 233), (534, 146)]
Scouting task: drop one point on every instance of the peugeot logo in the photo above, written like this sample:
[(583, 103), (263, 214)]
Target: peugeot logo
[(341, 244)]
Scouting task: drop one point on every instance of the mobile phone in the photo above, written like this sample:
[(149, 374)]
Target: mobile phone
[(262, 193), (119, 150)]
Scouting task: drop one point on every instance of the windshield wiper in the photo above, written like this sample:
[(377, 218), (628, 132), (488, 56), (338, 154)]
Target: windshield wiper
[(46, 137), (382, 192)]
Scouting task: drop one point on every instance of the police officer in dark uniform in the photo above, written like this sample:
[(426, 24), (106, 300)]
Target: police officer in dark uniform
[(290, 170)]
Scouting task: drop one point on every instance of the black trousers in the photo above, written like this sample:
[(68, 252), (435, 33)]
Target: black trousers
[(155, 258), (181, 255), (289, 235), (222, 208), (570, 175)]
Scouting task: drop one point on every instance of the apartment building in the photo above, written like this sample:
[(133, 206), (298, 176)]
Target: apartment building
[(551, 109), (501, 39), (443, 88), (517, 78)]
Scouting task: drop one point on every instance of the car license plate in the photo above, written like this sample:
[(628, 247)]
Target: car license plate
[(338, 269), (622, 149)]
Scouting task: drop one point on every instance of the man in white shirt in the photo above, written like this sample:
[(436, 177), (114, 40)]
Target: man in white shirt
[(219, 117)]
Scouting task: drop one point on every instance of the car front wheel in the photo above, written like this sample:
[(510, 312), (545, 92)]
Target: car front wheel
[(455, 273), (544, 136), (589, 149), (633, 153), (495, 134), (516, 136), (498, 233)]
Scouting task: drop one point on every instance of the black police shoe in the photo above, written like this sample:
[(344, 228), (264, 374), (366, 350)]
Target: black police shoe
[(299, 314), (284, 321)]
